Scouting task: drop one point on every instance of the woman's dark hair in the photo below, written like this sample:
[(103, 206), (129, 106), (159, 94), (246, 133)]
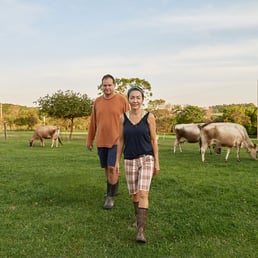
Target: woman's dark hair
[(135, 88)]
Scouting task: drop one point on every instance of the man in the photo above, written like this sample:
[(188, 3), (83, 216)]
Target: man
[(104, 126)]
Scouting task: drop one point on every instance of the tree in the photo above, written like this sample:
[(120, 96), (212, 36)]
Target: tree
[(28, 120), (123, 84), (67, 105), (163, 114), (244, 114), (190, 114), (251, 111), (21, 117), (156, 104)]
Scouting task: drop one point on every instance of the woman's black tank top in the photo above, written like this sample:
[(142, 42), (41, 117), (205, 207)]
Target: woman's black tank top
[(137, 139)]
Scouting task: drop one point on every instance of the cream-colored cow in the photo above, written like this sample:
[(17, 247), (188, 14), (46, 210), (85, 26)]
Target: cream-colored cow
[(226, 135), (46, 132)]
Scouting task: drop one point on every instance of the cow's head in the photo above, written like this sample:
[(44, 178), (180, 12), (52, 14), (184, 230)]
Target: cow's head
[(252, 151), (216, 149)]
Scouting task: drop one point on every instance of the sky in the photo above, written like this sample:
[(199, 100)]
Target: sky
[(200, 53)]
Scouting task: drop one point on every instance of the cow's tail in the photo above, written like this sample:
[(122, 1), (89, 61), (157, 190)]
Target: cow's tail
[(203, 125), (59, 140)]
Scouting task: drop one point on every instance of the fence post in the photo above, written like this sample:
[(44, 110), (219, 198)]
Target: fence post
[(5, 130)]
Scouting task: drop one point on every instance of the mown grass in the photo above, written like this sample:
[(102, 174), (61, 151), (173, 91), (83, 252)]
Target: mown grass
[(51, 204)]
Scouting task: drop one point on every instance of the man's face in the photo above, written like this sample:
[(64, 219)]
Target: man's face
[(108, 87)]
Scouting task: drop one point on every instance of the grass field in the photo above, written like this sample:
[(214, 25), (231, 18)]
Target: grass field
[(51, 204)]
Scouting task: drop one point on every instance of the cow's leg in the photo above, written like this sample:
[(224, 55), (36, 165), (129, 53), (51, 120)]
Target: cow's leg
[(31, 142), (228, 152), (203, 150), (59, 140), (175, 144), (238, 152), (42, 142), (55, 138), (180, 146), (53, 142)]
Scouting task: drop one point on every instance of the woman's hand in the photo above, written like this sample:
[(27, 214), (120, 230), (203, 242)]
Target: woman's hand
[(156, 168)]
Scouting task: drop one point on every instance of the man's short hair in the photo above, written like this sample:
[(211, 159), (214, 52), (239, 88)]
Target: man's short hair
[(106, 76)]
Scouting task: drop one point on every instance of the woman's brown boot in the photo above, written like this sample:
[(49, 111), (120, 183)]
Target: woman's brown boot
[(141, 222)]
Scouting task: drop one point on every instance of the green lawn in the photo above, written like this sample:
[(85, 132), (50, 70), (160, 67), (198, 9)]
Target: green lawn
[(51, 204)]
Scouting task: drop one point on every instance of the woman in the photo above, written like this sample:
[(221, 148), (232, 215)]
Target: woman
[(138, 142)]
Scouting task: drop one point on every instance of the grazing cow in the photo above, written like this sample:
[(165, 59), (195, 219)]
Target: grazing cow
[(188, 133), (226, 135), (46, 132)]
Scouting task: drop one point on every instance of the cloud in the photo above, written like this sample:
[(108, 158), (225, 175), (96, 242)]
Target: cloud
[(178, 49), (19, 17), (204, 19)]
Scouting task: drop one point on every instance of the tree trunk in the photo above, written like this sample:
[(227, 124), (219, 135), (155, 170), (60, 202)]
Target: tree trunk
[(71, 129)]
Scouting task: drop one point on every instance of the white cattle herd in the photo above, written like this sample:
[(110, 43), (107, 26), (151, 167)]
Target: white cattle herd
[(215, 134), (46, 132)]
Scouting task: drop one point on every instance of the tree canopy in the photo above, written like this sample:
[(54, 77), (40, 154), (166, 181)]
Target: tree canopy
[(67, 105), (123, 84), (190, 114)]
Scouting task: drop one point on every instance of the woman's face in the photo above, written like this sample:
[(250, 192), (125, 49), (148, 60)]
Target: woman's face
[(135, 99)]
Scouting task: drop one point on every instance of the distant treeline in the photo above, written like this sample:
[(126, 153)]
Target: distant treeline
[(19, 117)]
